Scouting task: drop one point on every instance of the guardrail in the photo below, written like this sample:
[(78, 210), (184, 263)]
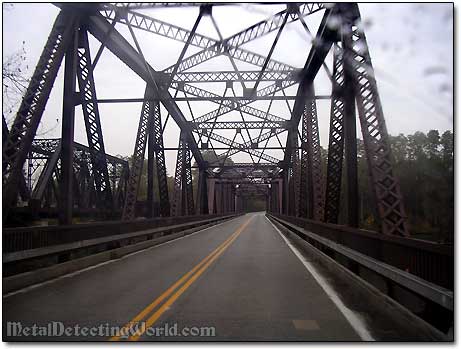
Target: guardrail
[(343, 245), (25, 238), (54, 245), (430, 261)]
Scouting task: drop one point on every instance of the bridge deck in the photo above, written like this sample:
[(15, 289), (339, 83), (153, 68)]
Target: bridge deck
[(253, 288)]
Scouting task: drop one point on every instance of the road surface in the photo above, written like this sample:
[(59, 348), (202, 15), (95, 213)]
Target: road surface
[(238, 280)]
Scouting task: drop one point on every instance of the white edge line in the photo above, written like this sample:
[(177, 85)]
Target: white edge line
[(44, 283), (354, 319)]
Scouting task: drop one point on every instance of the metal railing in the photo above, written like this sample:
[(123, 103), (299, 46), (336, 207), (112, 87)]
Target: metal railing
[(428, 260), (19, 239)]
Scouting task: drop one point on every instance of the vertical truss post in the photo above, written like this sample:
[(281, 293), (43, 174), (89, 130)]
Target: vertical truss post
[(350, 141), (188, 184), (385, 186), (271, 198), (157, 145), (202, 193), (238, 202), (211, 186), (150, 168), (285, 195), (335, 140), (311, 161), (138, 157), (229, 208), (66, 202), (22, 133), (224, 197), (280, 191), (294, 182), (183, 202), (218, 187), (93, 123)]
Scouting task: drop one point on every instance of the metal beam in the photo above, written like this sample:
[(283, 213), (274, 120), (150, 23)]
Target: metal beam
[(118, 45), (92, 121), (66, 185), (235, 76), (25, 125), (225, 125)]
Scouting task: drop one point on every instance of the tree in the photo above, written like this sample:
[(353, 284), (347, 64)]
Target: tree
[(14, 80)]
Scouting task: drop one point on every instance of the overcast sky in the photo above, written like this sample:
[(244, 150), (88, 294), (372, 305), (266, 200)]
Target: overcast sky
[(411, 47)]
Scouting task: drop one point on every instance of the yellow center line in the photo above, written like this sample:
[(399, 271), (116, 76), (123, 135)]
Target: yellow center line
[(211, 257), (189, 282)]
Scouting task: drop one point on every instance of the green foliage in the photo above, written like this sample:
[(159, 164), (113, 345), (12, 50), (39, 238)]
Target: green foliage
[(423, 164)]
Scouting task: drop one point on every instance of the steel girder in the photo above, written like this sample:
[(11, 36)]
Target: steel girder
[(27, 119), (118, 45), (234, 76), (294, 180), (147, 113), (92, 121), (212, 47), (225, 125), (335, 141), (183, 196), (51, 167), (386, 188), (49, 151), (23, 190), (326, 35), (202, 193), (231, 45), (225, 105), (311, 184), (66, 184), (158, 149), (243, 147)]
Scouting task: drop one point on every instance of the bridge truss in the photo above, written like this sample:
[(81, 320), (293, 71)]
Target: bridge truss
[(296, 181)]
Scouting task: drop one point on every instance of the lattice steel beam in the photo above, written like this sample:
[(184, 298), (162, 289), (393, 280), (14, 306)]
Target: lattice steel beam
[(335, 141), (225, 106), (385, 186), (147, 114), (183, 198), (158, 148), (25, 125), (212, 47), (234, 76), (313, 161), (326, 35), (92, 121), (118, 45), (225, 125)]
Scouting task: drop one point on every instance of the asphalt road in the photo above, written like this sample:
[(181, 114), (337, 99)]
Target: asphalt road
[(235, 281)]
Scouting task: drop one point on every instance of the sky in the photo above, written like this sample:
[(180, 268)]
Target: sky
[(411, 47)]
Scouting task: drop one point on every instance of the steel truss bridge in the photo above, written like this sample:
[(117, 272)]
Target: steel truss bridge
[(300, 189)]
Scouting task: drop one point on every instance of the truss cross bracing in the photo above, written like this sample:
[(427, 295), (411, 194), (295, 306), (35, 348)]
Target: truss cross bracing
[(236, 107)]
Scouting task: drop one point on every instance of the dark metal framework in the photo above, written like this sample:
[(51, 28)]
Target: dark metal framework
[(294, 183)]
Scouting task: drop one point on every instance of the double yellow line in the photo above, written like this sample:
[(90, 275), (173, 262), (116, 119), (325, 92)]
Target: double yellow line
[(186, 280)]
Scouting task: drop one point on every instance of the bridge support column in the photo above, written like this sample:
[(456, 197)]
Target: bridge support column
[(350, 142), (284, 192), (202, 193), (335, 140), (66, 185), (183, 203), (211, 186), (218, 199), (386, 189)]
